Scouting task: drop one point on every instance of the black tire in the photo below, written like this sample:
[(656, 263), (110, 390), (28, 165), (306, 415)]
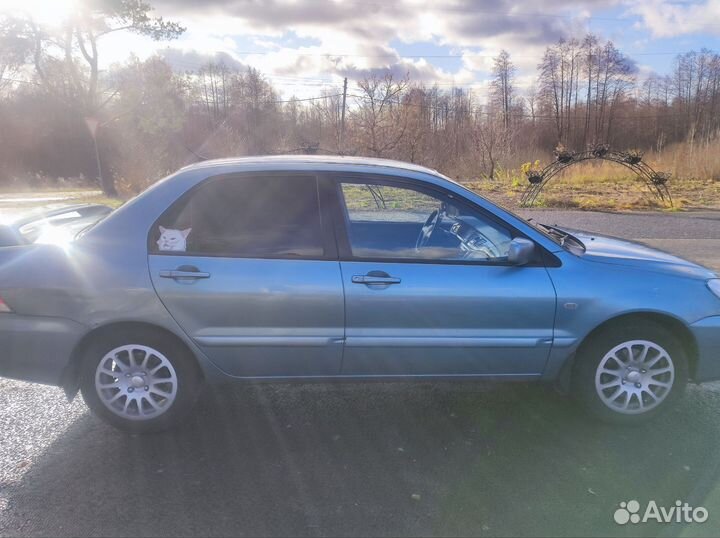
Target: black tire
[(592, 352), (186, 372)]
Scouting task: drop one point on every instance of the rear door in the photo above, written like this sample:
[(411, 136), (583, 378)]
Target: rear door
[(448, 304), (257, 285)]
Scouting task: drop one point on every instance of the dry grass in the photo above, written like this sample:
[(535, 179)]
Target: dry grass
[(695, 183)]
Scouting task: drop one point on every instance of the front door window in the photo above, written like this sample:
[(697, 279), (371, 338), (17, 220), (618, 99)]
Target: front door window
[(387, 222)]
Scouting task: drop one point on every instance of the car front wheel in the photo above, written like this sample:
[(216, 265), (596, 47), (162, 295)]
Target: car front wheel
[(139, 382), (629, 374)]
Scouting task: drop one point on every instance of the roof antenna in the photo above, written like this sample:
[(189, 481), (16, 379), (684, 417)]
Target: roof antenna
[(199, 157)]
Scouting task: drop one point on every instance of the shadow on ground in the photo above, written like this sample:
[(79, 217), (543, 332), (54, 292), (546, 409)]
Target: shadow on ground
[(372, 460)]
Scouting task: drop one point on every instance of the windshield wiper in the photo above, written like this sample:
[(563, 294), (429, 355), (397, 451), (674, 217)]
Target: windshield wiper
[(562, 235), (554, 231)]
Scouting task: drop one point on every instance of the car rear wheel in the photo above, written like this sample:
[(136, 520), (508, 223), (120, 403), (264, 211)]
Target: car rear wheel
[(631, 373), (139, 382)]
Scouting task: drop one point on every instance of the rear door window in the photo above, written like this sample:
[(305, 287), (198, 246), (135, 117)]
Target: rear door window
[(250, 217)]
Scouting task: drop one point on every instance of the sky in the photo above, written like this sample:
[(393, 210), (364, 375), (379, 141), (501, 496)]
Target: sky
[(306, 46)]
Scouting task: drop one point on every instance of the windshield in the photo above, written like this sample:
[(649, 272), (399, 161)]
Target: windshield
[(553, 233)]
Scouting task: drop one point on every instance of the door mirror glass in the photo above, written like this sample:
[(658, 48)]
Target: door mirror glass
[(521, 251)]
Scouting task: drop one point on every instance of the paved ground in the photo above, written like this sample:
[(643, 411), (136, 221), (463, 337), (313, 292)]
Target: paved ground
[(694, 235), (378, 460)]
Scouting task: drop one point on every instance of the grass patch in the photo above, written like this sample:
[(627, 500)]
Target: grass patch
[(601, 186)]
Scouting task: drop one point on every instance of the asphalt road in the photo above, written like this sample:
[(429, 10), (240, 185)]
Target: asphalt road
[(372, 459), (694, 235)]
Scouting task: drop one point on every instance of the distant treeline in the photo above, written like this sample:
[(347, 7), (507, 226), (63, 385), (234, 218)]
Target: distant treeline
[(149, 120)]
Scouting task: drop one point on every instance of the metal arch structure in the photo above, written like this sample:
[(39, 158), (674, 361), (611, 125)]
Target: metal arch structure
[(657, 182)]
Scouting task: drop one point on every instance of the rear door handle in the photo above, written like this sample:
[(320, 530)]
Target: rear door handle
[(184, 273), (375, 279)]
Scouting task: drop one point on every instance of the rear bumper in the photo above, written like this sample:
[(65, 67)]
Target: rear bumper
[(34, 348), (707, 336)]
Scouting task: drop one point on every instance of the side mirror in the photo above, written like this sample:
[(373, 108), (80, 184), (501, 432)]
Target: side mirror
[(521, 251)]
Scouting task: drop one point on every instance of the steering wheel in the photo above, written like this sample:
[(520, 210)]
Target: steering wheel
[(479, 243), (428, 229)]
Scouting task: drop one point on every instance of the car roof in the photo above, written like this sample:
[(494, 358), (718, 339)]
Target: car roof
[(307, 161)]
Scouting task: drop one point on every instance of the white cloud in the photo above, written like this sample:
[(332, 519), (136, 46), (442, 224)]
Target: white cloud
[(669, 19), (354, 38)]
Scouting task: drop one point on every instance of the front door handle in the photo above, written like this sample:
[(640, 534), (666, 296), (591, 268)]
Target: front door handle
[(184, 272), (375, 277)]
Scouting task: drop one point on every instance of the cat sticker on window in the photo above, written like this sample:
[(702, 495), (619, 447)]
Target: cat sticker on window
[(173, 240)]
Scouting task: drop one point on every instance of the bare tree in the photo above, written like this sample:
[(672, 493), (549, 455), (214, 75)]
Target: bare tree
[(502, 85), (554, 86), (13, 47), (609, 75), (215, 81), (329, 111), (489, 137), (155, 120), (696, 81), (255, 114), (379, 114), (590, 54)]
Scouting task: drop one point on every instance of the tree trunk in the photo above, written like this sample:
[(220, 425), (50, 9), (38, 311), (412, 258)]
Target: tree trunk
[(105, 180)]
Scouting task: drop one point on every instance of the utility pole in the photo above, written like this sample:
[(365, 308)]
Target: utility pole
[(106, 183), (342, 119)]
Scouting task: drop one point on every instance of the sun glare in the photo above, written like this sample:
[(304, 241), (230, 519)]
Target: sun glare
[(42, 10)]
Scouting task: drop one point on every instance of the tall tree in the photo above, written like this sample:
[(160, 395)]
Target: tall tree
[(696, 81), (66, 55), (615, 76), (13, 47), (609, 75), (590, 54), (502, 85), (216, 80)]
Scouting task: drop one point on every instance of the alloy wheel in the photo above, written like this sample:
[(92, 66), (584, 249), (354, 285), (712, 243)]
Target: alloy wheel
[(634, 377), (136, 382)]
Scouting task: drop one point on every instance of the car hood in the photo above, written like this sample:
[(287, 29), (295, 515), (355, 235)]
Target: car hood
[(606, 249)]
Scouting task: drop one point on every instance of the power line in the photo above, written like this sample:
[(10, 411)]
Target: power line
[(19, 81), (35, 83), (293, 100), (514, 13), (291, 80), (279, 101), (413, 56), (396, 55)]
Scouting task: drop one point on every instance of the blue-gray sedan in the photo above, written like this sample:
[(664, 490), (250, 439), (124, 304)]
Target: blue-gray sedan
[(331, 268)]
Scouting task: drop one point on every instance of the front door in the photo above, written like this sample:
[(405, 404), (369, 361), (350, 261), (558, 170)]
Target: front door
[(429, 290), (248, 269)]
